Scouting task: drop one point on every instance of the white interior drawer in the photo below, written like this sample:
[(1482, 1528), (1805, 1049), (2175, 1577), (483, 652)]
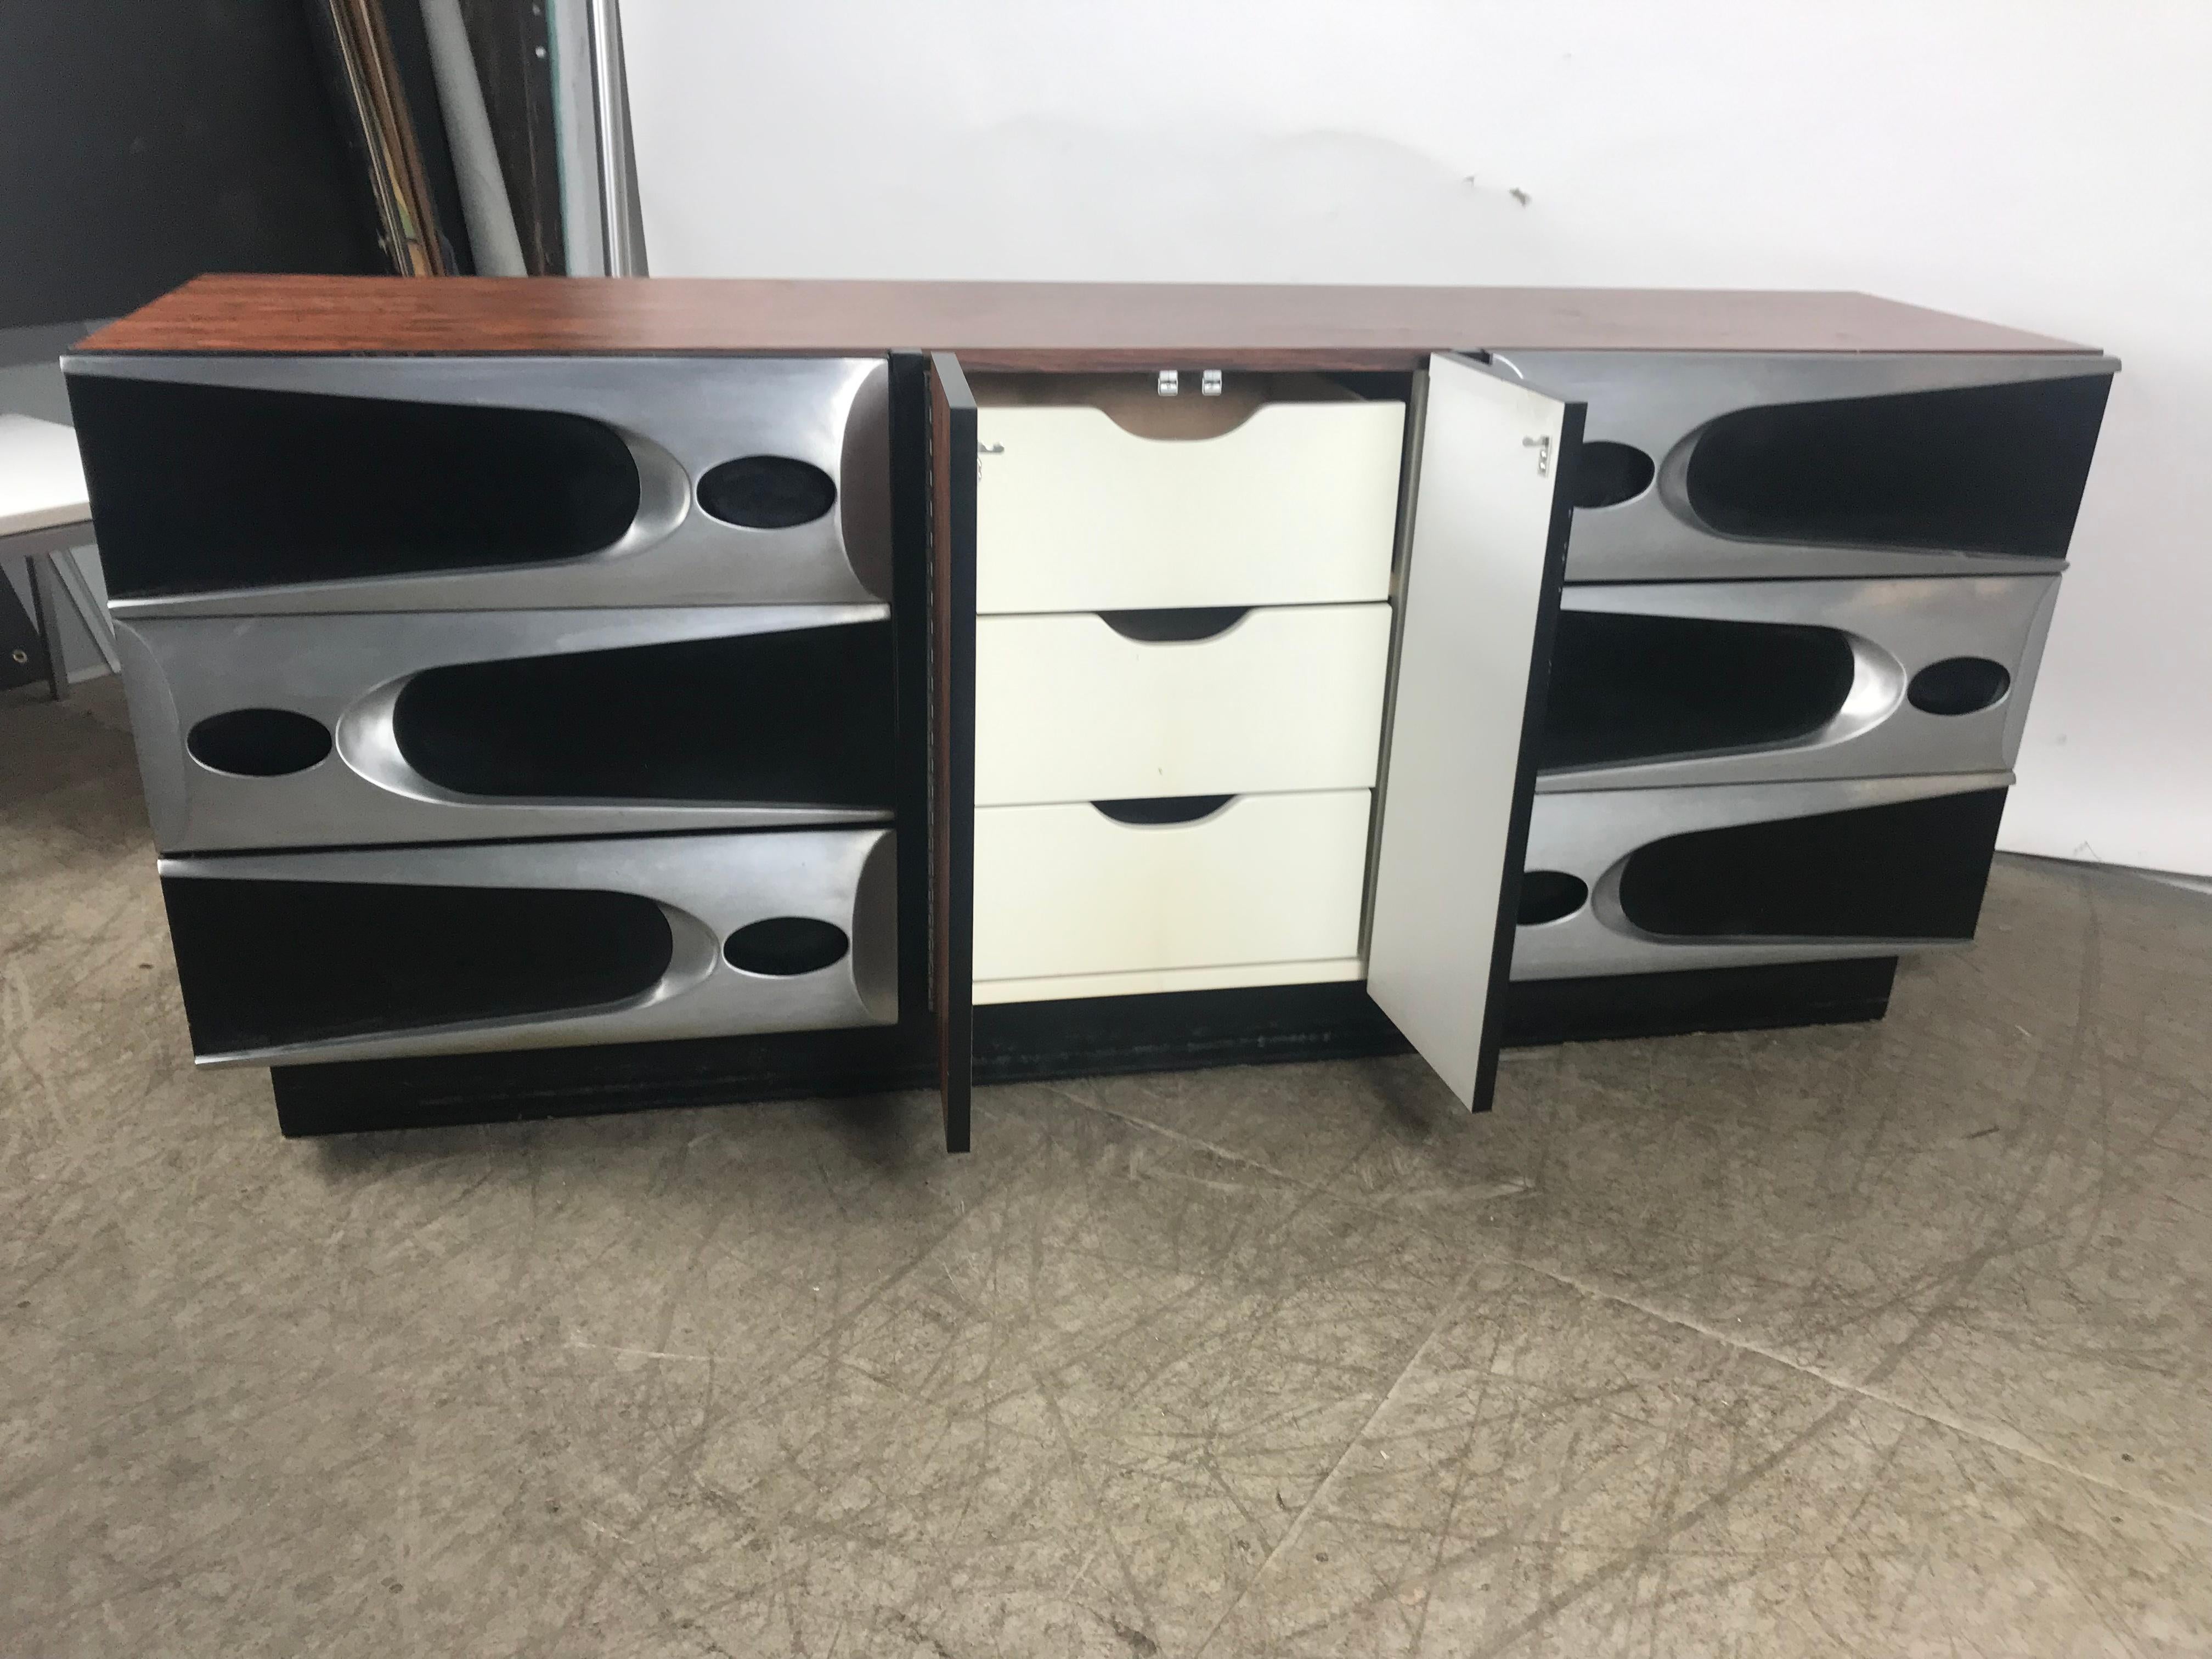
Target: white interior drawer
[(1087, 504), (1085, 708), (1068, 890)]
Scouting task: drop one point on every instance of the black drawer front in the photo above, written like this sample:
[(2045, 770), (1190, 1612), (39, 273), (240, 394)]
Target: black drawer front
[(1626, 688), (270, 962), (1909, 869), (1799, 465), (379, 952), (1631, 881), (231, 485), (205, 487), (1985, 468), (799, 718)]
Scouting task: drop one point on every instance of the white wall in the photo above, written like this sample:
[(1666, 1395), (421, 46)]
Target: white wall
[(2037, 163)]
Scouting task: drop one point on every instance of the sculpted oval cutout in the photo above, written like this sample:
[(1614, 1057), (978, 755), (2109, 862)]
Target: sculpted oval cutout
[(1549, 895), (258, 743), (784, 946), (1607, 474), (1958, 685), (767, 492)]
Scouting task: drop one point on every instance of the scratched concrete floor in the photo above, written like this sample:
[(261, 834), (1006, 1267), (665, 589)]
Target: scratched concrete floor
[(1886, 1340)]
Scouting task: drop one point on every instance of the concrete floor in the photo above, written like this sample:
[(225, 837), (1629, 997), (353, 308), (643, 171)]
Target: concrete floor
[(1886, 1340)]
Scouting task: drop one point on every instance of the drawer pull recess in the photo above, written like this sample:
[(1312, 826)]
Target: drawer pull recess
[(1164, 809), (1197, 621)]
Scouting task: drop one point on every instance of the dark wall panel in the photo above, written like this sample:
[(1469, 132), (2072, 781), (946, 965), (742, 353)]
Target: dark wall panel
[(148, 140), (513, 52)]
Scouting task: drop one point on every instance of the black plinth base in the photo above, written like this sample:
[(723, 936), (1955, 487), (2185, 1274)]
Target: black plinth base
[(1016, 1041), (1545, 1011)]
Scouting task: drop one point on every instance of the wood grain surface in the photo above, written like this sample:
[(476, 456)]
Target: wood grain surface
[(1021, 325)]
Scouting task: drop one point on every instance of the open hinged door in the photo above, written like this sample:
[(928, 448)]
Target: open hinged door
[(952, 735), (1479, 597)]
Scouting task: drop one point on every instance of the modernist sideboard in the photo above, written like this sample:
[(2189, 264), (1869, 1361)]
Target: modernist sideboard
[(573, 695)]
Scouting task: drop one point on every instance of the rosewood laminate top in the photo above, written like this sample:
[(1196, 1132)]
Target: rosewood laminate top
[(1037, 325)]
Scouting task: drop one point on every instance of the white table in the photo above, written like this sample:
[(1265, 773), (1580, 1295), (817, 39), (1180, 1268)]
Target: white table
[(45, 511)]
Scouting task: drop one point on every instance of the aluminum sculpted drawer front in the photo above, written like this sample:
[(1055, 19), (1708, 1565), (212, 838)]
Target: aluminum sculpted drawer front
[(359, 728), (288, 957), (1693, 683), (227, 486), (1628, 881), (1769, 464)]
